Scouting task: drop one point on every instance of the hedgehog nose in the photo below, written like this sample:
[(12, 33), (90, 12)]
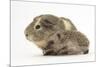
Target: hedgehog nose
[(26, 34)]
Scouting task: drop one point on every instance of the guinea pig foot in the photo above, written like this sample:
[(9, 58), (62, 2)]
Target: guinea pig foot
[(62, 52), (86, 52), (49, 52)]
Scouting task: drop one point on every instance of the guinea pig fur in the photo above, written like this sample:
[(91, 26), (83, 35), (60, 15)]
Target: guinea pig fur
[(44, 26)]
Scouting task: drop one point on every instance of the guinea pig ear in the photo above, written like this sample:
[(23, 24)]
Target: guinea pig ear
[(68, 24), (47, 23), (50, 19)]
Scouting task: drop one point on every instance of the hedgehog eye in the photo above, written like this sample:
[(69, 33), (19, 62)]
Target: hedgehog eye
[(37, 27), (59, 36)]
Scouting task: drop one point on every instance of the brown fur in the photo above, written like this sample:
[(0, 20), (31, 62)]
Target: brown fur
[(68, 43), (49, 24), (46, 27)]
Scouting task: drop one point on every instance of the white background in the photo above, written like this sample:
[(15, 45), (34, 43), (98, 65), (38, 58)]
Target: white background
[(26, 53), (4, 35)]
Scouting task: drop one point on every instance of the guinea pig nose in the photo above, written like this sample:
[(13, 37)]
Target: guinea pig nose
[(26, 34)]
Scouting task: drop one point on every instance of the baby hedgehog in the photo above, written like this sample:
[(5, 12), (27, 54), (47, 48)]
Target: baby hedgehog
[(67, 43)]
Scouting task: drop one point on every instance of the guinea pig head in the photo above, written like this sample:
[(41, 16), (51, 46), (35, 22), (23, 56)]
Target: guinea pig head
[(42, 27)]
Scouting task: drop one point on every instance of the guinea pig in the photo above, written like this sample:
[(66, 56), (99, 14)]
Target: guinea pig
[(43, 26), (67, 43)]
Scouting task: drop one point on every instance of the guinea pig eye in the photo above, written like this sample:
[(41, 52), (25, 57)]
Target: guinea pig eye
[(37, 27)]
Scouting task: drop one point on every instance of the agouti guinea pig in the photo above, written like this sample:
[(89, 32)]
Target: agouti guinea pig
[(45, 26)]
